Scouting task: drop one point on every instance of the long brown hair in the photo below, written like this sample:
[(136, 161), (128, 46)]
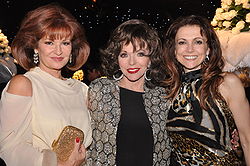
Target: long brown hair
[(55, 22), (211, 69)]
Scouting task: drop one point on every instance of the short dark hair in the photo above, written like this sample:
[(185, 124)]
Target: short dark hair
[(137, 32)]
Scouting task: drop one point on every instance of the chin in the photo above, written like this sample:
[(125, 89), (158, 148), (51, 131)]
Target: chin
[(188, 69), (57, 67), (136, 79)]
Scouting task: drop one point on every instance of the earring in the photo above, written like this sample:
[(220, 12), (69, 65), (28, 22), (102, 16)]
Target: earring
[(206, 60), (36, 57), (118, 75), (70, 58), (147, 75)]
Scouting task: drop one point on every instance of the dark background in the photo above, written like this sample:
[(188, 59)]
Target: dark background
[(100, 17)]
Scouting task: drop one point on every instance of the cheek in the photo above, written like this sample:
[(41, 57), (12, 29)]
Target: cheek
[(68, 50), (121, 63), (204, 52), (178, 58), (203, 58), (144, 61), (149, 64), (179, 51)]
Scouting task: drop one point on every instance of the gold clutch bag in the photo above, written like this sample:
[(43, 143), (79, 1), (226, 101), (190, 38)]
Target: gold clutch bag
[(64, 145)]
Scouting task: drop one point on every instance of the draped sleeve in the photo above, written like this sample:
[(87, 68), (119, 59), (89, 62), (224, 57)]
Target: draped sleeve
[(16, 145), (87, 119)]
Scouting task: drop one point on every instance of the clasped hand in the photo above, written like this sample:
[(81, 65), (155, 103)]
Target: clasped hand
[(77, 156)]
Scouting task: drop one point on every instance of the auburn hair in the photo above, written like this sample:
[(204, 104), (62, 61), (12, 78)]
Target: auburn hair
[(54, 22)]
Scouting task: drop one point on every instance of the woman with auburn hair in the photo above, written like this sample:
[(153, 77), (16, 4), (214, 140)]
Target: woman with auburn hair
[(209, 107), (37, 106)]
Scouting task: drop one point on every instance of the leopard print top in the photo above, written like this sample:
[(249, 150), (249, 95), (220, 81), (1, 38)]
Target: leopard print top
[(200, 137)]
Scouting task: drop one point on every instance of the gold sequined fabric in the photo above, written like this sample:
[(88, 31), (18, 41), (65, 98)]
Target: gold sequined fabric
[(64, 145), (189, 152)]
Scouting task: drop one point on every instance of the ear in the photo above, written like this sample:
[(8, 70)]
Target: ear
[(208, 51), (36, 51), (149, 64)]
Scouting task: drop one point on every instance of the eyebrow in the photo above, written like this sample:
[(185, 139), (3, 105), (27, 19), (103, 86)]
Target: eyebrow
[(144, 50), (192, 39)]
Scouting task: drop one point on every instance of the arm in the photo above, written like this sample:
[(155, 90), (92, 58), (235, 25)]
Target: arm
[(93, 110), (16, 128), (88, 133), (233, 91), (20, 85)]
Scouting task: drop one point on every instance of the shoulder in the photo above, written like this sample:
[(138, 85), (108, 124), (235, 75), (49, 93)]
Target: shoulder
[(161, 89), (20, 85), (102, 87), (230, 81), (231, 85), (157, 98), (83, 86), (156, 89), (101, 82), (157, 92), (231, 78)]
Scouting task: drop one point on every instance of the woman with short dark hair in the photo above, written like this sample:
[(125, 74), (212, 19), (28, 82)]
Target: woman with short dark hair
[(128, 108)]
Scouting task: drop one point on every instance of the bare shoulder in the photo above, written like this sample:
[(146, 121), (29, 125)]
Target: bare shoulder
[(20, 85), (231, 85), (232, 79)]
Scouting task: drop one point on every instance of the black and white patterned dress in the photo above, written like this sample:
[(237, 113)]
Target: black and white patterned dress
[(200, 137)]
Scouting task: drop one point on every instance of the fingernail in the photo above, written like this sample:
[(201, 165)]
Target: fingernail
[(77, 140)]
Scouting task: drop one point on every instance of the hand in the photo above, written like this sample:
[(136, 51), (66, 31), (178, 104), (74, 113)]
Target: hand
[(235, 140), (77, 156)]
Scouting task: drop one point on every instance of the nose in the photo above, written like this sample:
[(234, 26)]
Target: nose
[(58, 49), (190, 47), (131, 60)]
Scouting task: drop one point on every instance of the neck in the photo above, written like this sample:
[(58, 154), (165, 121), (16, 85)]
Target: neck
[(134, 86), (54, 73)]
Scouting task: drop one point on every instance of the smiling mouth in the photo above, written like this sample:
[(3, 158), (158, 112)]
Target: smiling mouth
[(133, 70), (190, 57)]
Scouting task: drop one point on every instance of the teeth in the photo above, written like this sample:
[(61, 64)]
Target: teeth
[(190, 57), (133, 69)]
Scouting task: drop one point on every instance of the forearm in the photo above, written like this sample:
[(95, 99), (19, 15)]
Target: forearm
[(246, 150), (28, 156)]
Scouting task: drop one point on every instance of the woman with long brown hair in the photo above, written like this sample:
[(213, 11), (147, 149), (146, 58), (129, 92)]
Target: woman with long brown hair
[(209, 107)]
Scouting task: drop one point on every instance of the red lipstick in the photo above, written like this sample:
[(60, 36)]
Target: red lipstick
[(133, 70)]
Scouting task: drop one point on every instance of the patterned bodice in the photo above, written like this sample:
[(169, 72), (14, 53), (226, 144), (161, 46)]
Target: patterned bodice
[(200, 132)]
